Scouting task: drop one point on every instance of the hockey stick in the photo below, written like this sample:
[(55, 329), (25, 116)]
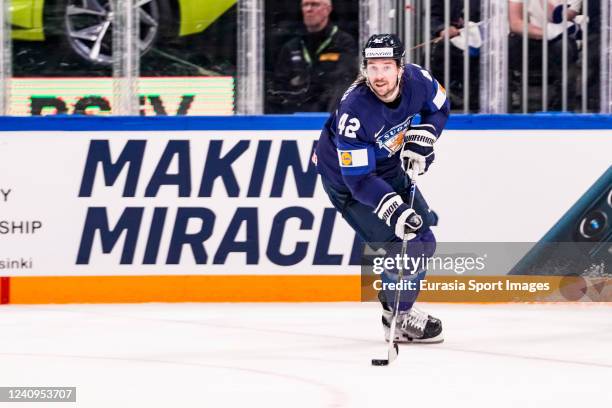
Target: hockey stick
[(393, 348)]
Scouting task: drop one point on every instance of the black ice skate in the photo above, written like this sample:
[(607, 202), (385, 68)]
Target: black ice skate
[(413, 326)]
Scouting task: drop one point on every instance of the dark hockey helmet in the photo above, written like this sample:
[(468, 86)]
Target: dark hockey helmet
[(384, 46)]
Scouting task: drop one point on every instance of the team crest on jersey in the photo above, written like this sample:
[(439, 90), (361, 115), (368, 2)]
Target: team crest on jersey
[(393, 140), (347, 158)]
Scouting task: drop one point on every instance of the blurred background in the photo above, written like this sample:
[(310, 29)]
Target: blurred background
[(225, 57)]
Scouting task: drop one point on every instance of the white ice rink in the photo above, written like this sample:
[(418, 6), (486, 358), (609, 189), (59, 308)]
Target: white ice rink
[(307, 355)]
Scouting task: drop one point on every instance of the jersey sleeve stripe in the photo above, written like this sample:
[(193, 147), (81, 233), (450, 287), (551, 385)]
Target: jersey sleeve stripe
[(440, 97)]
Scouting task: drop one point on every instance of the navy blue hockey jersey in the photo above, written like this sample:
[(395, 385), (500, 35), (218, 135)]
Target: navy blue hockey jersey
[(360, 143)]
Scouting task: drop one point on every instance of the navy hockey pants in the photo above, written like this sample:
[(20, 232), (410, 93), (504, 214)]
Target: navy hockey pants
[(378, 235)]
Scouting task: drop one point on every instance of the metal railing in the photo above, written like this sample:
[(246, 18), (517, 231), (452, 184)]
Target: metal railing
[(5, 57), (126, 70), (494, 57), (250, 70), (494, 76), (412, 20), (606, 57)]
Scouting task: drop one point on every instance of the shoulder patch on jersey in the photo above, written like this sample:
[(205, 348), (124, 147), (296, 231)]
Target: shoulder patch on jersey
[(393, 139)]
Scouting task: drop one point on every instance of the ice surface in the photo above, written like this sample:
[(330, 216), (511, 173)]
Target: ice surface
[(308, 355)]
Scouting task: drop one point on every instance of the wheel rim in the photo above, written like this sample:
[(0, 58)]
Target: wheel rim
[(89, 27)]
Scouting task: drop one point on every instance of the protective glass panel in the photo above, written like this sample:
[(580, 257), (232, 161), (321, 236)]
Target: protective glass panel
[(188, 65), (311, 53)]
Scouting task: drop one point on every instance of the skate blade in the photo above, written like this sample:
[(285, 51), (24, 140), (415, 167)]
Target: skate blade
[(434, 340)]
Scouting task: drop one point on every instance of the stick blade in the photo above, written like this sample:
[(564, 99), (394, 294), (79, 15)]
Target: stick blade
[(393, 352)]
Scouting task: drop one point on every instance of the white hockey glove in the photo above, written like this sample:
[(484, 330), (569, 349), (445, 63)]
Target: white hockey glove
[(396, 214), (418, 153)]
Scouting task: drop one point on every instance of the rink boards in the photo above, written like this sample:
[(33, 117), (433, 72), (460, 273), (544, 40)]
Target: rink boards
[(231, 209)]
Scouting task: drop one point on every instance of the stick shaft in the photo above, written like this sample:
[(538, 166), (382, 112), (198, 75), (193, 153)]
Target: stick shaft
[(392, 352)]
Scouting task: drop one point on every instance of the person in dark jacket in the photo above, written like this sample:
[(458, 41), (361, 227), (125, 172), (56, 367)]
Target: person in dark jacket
[(313, 69), (438, 31)]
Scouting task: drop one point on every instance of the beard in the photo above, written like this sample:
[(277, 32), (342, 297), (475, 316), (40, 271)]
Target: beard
[(387, 96), (382, 93)]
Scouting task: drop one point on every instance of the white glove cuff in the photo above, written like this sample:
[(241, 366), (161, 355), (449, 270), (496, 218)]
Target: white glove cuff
[(387, 206), (400, 225), (424, 135)]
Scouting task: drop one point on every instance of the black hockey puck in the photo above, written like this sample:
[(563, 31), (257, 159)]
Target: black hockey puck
[(376, 362)]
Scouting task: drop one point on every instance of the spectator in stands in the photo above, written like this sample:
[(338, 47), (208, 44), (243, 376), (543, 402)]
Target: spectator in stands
[(313, 69), (535, 33), (438, 31)]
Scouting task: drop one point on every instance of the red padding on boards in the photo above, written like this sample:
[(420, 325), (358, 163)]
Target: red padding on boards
[(4, 290)]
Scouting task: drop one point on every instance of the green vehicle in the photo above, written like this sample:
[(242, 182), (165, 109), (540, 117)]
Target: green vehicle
[(84, 26)]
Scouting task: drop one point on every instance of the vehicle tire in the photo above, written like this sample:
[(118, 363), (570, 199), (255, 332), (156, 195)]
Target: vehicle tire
[(84, 27)]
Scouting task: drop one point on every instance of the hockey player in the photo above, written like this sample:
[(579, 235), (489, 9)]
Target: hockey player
[(359, 157)]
